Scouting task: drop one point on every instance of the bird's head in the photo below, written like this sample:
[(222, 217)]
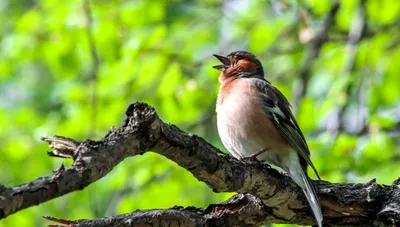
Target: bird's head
[(236, 63)]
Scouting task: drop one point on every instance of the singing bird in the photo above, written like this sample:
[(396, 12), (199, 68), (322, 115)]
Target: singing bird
[(255, 120)]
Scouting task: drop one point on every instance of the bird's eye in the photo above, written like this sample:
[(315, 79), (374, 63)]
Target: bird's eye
[(239, 57)]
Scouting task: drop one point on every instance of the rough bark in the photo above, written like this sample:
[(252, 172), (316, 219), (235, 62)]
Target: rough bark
[(266, 196)]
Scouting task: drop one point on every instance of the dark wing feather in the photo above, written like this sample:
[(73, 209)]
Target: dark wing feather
[(278, 108)]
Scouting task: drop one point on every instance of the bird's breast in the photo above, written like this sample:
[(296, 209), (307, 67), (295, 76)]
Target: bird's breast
[(243, 126), (238, 108)]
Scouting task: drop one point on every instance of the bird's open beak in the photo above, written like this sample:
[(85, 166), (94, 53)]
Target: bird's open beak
[(226, 63)]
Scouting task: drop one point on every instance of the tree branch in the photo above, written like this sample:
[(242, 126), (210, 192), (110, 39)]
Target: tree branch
[(232, 211), (280, 200)]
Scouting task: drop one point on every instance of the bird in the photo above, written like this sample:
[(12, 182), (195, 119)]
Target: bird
[(254, 120)]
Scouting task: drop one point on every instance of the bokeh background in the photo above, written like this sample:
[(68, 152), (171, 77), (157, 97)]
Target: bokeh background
[(72, 68)]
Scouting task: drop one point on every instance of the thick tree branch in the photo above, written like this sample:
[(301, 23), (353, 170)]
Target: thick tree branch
[(281, 200), (92, 161), (240, 210)]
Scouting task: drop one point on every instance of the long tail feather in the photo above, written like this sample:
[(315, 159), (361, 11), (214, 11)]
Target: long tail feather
[(311, 195), (300, 177)]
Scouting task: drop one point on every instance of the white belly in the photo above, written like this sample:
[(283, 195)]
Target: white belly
[(239, 124), (232, 116)]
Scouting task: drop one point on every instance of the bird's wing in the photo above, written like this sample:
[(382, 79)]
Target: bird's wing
[(278, 108)]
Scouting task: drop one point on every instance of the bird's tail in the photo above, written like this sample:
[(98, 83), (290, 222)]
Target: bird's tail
[(300, 177), (312, 198)]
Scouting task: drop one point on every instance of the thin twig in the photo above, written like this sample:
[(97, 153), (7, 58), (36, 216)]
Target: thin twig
[(93, 80), (355, 35), (93, 74), (314, 48)]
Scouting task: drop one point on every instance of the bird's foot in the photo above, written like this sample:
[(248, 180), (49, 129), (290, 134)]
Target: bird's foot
[(255, 155)]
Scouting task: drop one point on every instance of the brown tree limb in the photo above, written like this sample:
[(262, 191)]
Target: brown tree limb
[(240, 210), (281, 201)]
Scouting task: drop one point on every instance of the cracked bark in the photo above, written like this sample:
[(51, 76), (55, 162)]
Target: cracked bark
[(265, 195)]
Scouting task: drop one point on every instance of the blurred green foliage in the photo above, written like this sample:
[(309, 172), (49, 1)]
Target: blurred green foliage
[(160, 52)]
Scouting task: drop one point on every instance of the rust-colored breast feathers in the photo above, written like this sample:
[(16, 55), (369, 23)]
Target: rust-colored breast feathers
[(240, 104)]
